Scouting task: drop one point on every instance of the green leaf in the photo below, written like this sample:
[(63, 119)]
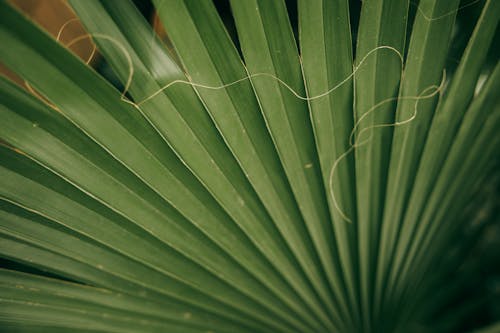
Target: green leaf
[(270, 176), (99, 165), (326, 55), (269, 47), (209, 56), (31, 297), (419, 91), (187, 120), (443, 129), (474, 145), (381, 42), (121, 250)]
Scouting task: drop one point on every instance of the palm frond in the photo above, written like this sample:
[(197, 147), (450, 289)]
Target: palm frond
[(281, 184)]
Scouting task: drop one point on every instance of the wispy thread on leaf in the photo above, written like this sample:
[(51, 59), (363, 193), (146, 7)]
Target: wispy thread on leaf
[(352, 143), (35, 93), (272, 76), (68, 45), (428, 18)]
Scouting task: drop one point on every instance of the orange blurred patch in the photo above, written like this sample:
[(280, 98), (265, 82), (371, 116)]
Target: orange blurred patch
[(57, 18)]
